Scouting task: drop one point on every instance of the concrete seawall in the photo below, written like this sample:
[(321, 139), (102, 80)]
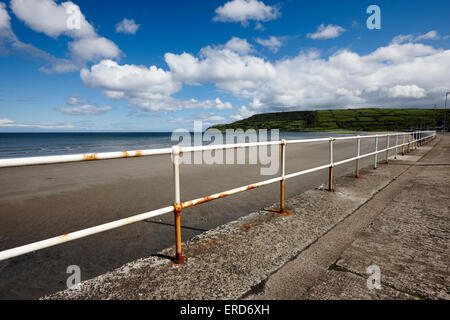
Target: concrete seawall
[(252, 257)]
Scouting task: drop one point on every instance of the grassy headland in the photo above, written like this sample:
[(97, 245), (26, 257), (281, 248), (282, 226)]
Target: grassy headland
[(368, 119)]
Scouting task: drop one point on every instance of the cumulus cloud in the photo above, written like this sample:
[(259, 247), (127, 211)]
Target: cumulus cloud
[(245, 10), (326, 32), (408, 91), (392, 76), (84, 110), (228, 69), (408, 74), (136, 80), (239, 45), (7, 123), (93, 49), (127, 26), (272, 43), (53, 19), (146, 88)]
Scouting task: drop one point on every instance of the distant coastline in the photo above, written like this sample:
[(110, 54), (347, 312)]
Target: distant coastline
[(343, 120)]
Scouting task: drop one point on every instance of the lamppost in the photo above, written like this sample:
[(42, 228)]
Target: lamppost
[(445, 111)]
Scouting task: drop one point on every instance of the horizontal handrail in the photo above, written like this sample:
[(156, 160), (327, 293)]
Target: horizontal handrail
[(418, 137), (30, 161)]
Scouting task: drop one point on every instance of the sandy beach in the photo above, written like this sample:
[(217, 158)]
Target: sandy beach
[(44, 201)]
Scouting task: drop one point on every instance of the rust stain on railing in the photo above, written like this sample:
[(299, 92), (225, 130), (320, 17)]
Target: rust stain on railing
[(90, 156)]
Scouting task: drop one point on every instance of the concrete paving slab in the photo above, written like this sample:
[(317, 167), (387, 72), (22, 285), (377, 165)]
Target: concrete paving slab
[(409, 241)]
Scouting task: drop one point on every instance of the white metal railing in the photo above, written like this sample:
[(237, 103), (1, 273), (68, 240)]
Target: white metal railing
[(409, 139)]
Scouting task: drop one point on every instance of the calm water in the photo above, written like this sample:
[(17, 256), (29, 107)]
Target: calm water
[(16, 145)]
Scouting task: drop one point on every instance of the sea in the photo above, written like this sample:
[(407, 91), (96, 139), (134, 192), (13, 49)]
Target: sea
[(19, 145)]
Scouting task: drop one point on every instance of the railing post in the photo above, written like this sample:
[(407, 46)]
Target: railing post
[(179, 258), (396, 146), (358, 153), (403, 145), (283, 171), (376, 153), (282, 210), (409, 143), (387, 149), (417, 140), (330, 170)]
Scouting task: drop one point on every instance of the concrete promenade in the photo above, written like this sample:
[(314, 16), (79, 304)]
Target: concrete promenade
[(395, 217)]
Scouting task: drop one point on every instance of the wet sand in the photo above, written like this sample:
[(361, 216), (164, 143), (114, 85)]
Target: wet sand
[(44, 201)]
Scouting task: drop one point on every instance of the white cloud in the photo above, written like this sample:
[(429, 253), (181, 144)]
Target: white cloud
[(326, 32), (5, 20), (408, 91), (127, 26), (395, 75), (75, 100), (410, 74), (146, 88), (84, 110), (10, 43), (93, 49), (138, 81), (226, 68), (273, 43), (7, 123), (430, 35), (51, 18), (207, 119), (239, 45), (245, 10)]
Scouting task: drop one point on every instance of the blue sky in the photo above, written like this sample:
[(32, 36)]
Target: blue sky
[(172, 62)]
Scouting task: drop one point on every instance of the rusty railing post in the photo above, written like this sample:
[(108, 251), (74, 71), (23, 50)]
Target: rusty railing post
[(283, 171), (358, 153), (376, 153), (179, 258), (281, 210), (330, 170)]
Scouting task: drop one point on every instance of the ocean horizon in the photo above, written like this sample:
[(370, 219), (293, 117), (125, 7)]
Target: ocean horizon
[(18, 145)]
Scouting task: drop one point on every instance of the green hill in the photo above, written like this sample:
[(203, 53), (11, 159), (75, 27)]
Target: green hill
[(369, 119)]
